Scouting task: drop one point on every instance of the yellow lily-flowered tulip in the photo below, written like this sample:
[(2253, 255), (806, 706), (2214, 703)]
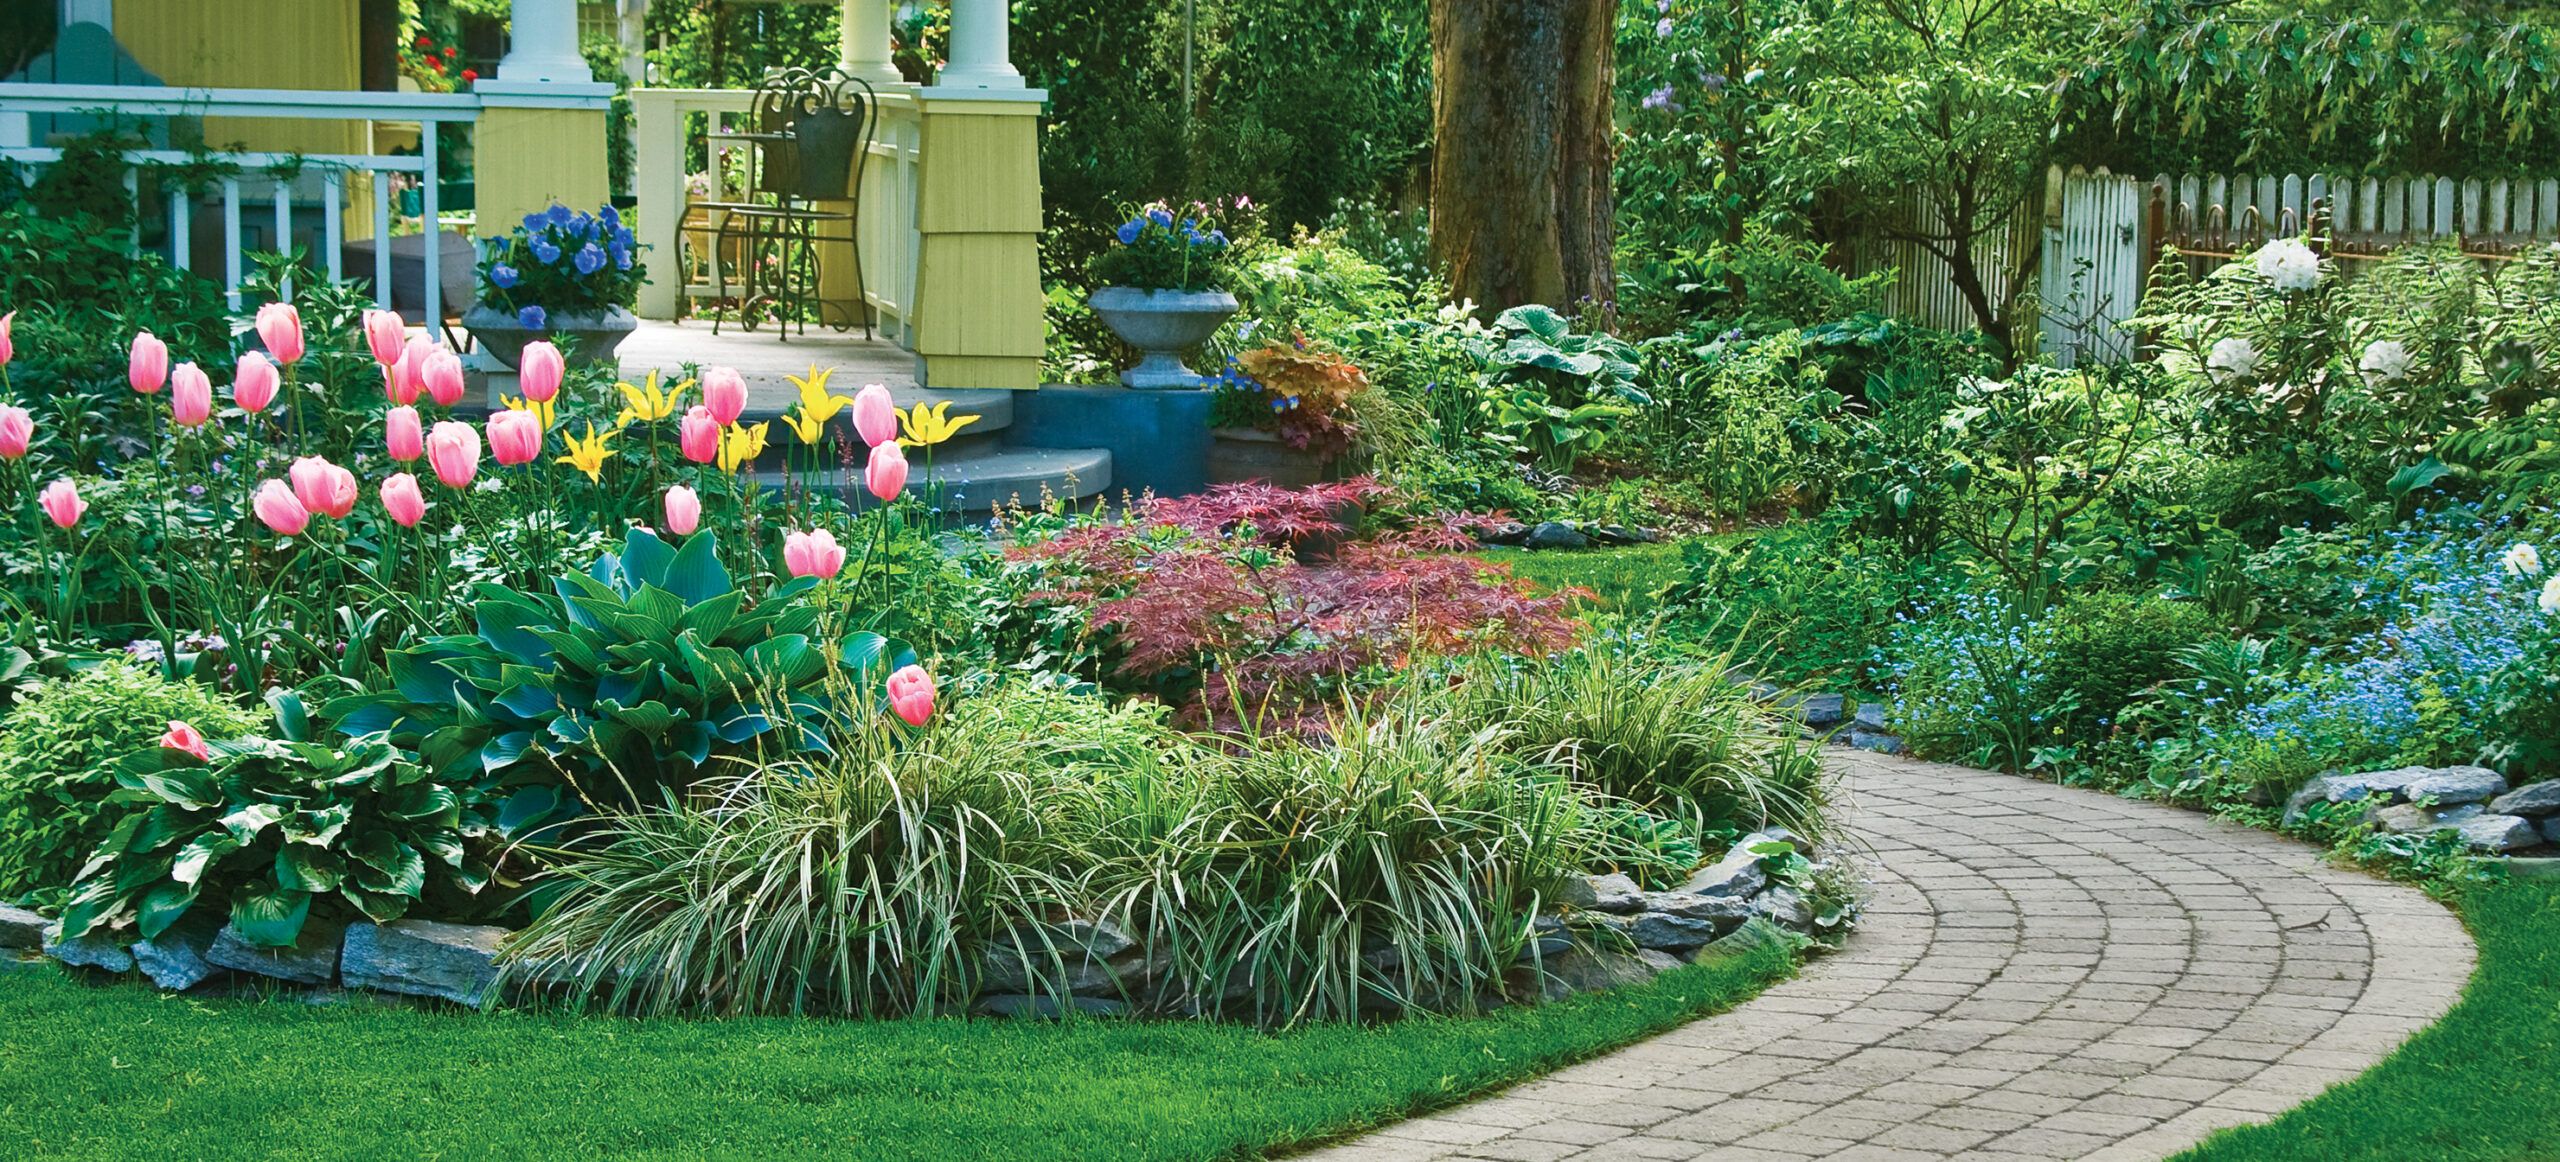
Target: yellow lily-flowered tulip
[(647, 404), (741, 444), (924, 426), (589, 455), (817, 405), (541, 409)]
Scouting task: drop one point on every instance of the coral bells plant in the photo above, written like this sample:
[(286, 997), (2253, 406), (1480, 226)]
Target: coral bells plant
[(562, 262), (1298, 393), (1200, 603)]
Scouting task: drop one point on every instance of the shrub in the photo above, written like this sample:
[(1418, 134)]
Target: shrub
[(58, 751), (2104, 649), (272, 829), (1810, 599)]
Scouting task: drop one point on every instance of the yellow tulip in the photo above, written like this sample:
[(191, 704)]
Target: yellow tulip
[(541, 409), (925, 427), (741, 444), (589, 455), (647, 404), (816, 401)]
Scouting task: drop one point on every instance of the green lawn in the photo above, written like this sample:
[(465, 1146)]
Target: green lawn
[(118, 1071), (1623, 580), (2477, 1085)]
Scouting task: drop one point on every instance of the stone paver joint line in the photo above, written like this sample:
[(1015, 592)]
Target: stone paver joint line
[(2043, 973)]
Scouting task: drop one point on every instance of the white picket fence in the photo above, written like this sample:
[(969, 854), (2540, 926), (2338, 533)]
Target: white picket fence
[(2100, 234)]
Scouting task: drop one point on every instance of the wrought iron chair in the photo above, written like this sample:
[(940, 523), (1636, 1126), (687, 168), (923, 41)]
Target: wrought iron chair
[(812, 133)]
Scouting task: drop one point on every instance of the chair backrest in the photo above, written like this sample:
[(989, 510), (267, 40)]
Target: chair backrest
[(824, 120)]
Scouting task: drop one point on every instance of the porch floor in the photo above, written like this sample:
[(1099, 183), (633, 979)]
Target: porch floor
[(764, 357)]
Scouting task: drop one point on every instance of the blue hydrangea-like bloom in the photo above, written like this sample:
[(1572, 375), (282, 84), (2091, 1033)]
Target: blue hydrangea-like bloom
[(590, 259), (533, 319), (546, 251), (502, 276)]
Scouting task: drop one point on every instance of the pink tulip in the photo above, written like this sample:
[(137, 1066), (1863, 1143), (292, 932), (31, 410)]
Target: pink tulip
[(322, 487), (17, 431), (911, 695), (698, 435), (812, 554), (277, 508), (441, 374), (386, 335), (454, 449), (253, 383), (875, 415), (886, 475), (149, 364), (185, 738), (62, 504), (402, 499), (724, 391), (402, 434), (514, 438), (190, 396), (403, 379), (280, 329), (684, 511), (8, 350), (539, 370)]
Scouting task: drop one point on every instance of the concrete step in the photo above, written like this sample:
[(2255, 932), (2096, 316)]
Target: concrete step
[(979, 483)]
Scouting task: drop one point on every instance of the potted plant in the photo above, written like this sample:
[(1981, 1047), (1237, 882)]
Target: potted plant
[(1281, 415), (559, 273), (1161, 292)]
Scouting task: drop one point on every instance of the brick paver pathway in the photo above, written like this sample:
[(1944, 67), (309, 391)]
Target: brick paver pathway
[(2043, 973)]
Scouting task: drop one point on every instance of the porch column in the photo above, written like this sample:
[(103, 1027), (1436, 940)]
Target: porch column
[(863, 37), (981, 47), (541, 137), (978, 317)]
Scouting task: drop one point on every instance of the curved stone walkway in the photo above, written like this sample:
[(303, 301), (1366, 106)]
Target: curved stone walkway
[(2043, 973)]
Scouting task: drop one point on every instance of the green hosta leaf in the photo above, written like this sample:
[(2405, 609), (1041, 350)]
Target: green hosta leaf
[(189, 787), (245, 823), (384, 864), (661, 609), (710, 618), (196, 857), (501, 752), (575, 648), (717, 667), (424, 682), (653, 719), (319, 827), (431, 803), (379, 907), (696, 575), (308, 869), (509, 628), (93, 902), (529, 701), (293, 721), (162, 906), (444, 843), (530, 808), (269, 916), (2422, 474), (154, 829), (646, 559)]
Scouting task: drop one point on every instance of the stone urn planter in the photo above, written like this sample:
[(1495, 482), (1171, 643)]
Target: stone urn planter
[(504, 338), (1162, 324)]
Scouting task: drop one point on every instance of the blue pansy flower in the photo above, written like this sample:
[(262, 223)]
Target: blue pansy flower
[(622, 237), (590, 259), (621, 257), (612, 217), (534, 222), (546, 250), (502, 276), (1218, 236), (562, 215), (1160, 216), (1129, 231), (533, 319)]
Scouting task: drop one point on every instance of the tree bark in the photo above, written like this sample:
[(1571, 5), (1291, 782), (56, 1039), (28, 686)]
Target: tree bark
[(1521, 206)]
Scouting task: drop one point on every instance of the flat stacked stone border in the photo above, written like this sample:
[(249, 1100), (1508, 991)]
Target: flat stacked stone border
[(1605, 932), (2475, 804)]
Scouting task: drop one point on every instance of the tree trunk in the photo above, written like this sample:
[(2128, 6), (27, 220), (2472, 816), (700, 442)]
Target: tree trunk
[(1521, 208)]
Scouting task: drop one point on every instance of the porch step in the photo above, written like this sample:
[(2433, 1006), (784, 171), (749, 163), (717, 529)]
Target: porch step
[(976, 485)]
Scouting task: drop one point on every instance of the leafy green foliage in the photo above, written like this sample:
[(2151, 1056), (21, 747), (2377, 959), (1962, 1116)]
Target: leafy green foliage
[(58, 752), (1553, 394), (625, 680), (270, 829), (1158, 250)]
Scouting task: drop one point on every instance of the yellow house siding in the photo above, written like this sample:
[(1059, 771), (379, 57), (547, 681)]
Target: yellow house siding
[(979, 316), (526, 159), (271, 44)]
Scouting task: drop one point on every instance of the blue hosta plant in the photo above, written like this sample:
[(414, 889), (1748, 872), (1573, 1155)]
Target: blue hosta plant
[(1556, 395), (624, 682), (268, 827)]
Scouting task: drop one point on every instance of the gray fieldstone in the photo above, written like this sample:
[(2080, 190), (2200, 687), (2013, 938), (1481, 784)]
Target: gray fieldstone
[(1083, 948), (2499, 832), (1817, 710), (2409, 818), (1673, 933), (313, 959), (1609, 893), (90, 950), (1047, 1008), (1870, 716), (2336, 787), (175, 959), (2551, 829), (1879, 743), (1728, 909), (423, 958), (20, 928), (1591, 970), (2541, 798), (2455, 785), (1510, 532), (1555, 535), (1783, 906), (1738, 874)]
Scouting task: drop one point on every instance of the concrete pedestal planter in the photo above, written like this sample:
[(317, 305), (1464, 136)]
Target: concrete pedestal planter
[(1162, 324), (504, 338)]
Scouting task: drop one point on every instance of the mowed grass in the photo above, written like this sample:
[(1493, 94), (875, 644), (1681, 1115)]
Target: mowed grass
[(118, 1071), (1631, 579), (2477, 1085)]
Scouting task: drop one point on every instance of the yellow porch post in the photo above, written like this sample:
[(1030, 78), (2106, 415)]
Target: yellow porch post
[(979, 317), (542, 122)]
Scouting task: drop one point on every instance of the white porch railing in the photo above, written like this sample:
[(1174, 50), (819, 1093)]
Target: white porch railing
[(886, 205), (427, 111)]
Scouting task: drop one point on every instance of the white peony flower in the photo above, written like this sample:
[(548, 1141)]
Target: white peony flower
[(2385, 361), (2233, 358), (2289, 264), (2522, 561), (2550, 599)]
